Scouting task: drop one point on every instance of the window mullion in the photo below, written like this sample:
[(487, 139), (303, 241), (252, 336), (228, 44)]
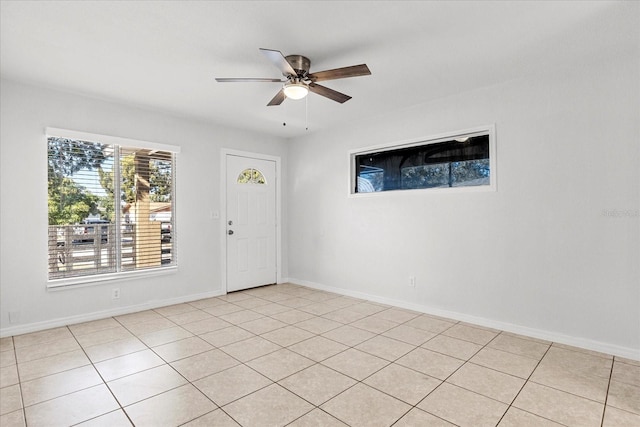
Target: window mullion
[(117, 206)]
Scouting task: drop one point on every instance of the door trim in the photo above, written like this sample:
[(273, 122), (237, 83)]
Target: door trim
[(224, 152)]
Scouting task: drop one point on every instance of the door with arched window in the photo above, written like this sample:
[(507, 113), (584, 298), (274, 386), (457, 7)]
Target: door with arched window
[(251, 222)]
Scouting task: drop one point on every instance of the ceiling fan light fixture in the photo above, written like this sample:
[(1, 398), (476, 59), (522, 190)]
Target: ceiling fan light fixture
[(295, 90)]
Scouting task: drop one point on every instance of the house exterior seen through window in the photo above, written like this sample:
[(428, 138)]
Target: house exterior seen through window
[(110, 208), (458, 161)]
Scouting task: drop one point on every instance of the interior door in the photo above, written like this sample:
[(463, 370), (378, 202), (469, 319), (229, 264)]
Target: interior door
[(251, 222)]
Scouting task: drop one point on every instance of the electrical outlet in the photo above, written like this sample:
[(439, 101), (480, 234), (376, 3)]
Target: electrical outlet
[(115, 293), (412, 281)]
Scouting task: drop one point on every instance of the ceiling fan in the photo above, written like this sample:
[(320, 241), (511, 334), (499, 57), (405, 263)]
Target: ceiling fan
[(299, 82)]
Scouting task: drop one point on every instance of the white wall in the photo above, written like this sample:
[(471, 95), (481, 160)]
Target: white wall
[(538, 256), (25, 112)]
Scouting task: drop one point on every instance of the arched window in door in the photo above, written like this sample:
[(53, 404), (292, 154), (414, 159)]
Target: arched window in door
[(251, 176)]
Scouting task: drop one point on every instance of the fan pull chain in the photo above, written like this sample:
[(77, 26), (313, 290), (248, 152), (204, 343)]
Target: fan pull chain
[(306, 108)]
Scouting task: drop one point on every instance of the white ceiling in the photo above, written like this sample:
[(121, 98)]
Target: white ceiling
[(165, 55)]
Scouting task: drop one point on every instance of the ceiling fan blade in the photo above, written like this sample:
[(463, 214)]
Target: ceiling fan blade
[(242, 79), (340, 73), (278, 59), (278, 99), (329, 93)]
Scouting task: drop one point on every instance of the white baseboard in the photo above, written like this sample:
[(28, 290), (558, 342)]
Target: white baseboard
[(556, 337), (119, 311)]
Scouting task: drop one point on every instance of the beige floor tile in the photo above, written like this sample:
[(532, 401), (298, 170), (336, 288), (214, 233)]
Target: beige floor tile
[(626, 373), (367, 308), (100, 352), (173, 407), (362, 405), (72, 408), (348, 335), (624, 396), (397, 315), (150, 326), (250, 349), (215, 418), (222, 309), (204, 364), (344, 315), (7, 358), (287, 335), (10, 399), (519, 346), (418, 417), (138, 317), (518, 418), (319, 308), (240, 317), (634, 362), (104, 336), (8, 375), (429, 323), (343, 301), (280, 364), (145, 384), (453, 347), (263, 325), (252, 303), (52, 365), (386, 348), (122, 366), (184, 348), (318, 325), (579, 362), (271, 308), (13, 419), (48, 349), (189, 317), (558, 406), (509, 363), (172, 310), (57, 385), (231, 384), (355, 363), (556, 345), (403, 383), (207, 302), (292, 316), (235, 296), (471, 334), (375, 325), (428, 362), (317, 418), (409, 335), (112, 419), (318, 348), (6, 344), (614, 417), (575, 382), (41, 337), (93, 326), (317, 383), (226, 336), (296, 302), (463, 407), (164, 336), (485, 381), (270, 406)]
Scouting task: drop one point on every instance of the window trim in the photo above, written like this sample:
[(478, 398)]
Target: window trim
[(97, 279), (433, 139)]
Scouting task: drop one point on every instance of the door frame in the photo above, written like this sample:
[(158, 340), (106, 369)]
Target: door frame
[(224, 152)]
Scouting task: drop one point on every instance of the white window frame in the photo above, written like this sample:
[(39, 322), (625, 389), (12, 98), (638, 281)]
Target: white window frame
[(481, 130), (82, 281)]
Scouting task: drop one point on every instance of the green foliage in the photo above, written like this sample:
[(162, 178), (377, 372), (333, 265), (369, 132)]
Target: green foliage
[(69, 203)]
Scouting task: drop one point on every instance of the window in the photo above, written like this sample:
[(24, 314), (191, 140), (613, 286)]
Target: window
[(463, 159), (111, 207), (251, 176)]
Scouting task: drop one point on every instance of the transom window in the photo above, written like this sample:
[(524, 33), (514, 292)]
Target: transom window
[(459, 160), (111, 208)]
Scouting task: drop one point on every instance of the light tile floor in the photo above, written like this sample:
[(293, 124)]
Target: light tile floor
[(289, 355)]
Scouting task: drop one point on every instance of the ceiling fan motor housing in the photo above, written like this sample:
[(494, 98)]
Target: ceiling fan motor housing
[(301, 64)]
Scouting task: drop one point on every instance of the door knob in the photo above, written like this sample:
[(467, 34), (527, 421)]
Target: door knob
[(230, 232)]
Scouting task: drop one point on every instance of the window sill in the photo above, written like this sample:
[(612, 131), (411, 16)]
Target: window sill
[(81, 282)]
